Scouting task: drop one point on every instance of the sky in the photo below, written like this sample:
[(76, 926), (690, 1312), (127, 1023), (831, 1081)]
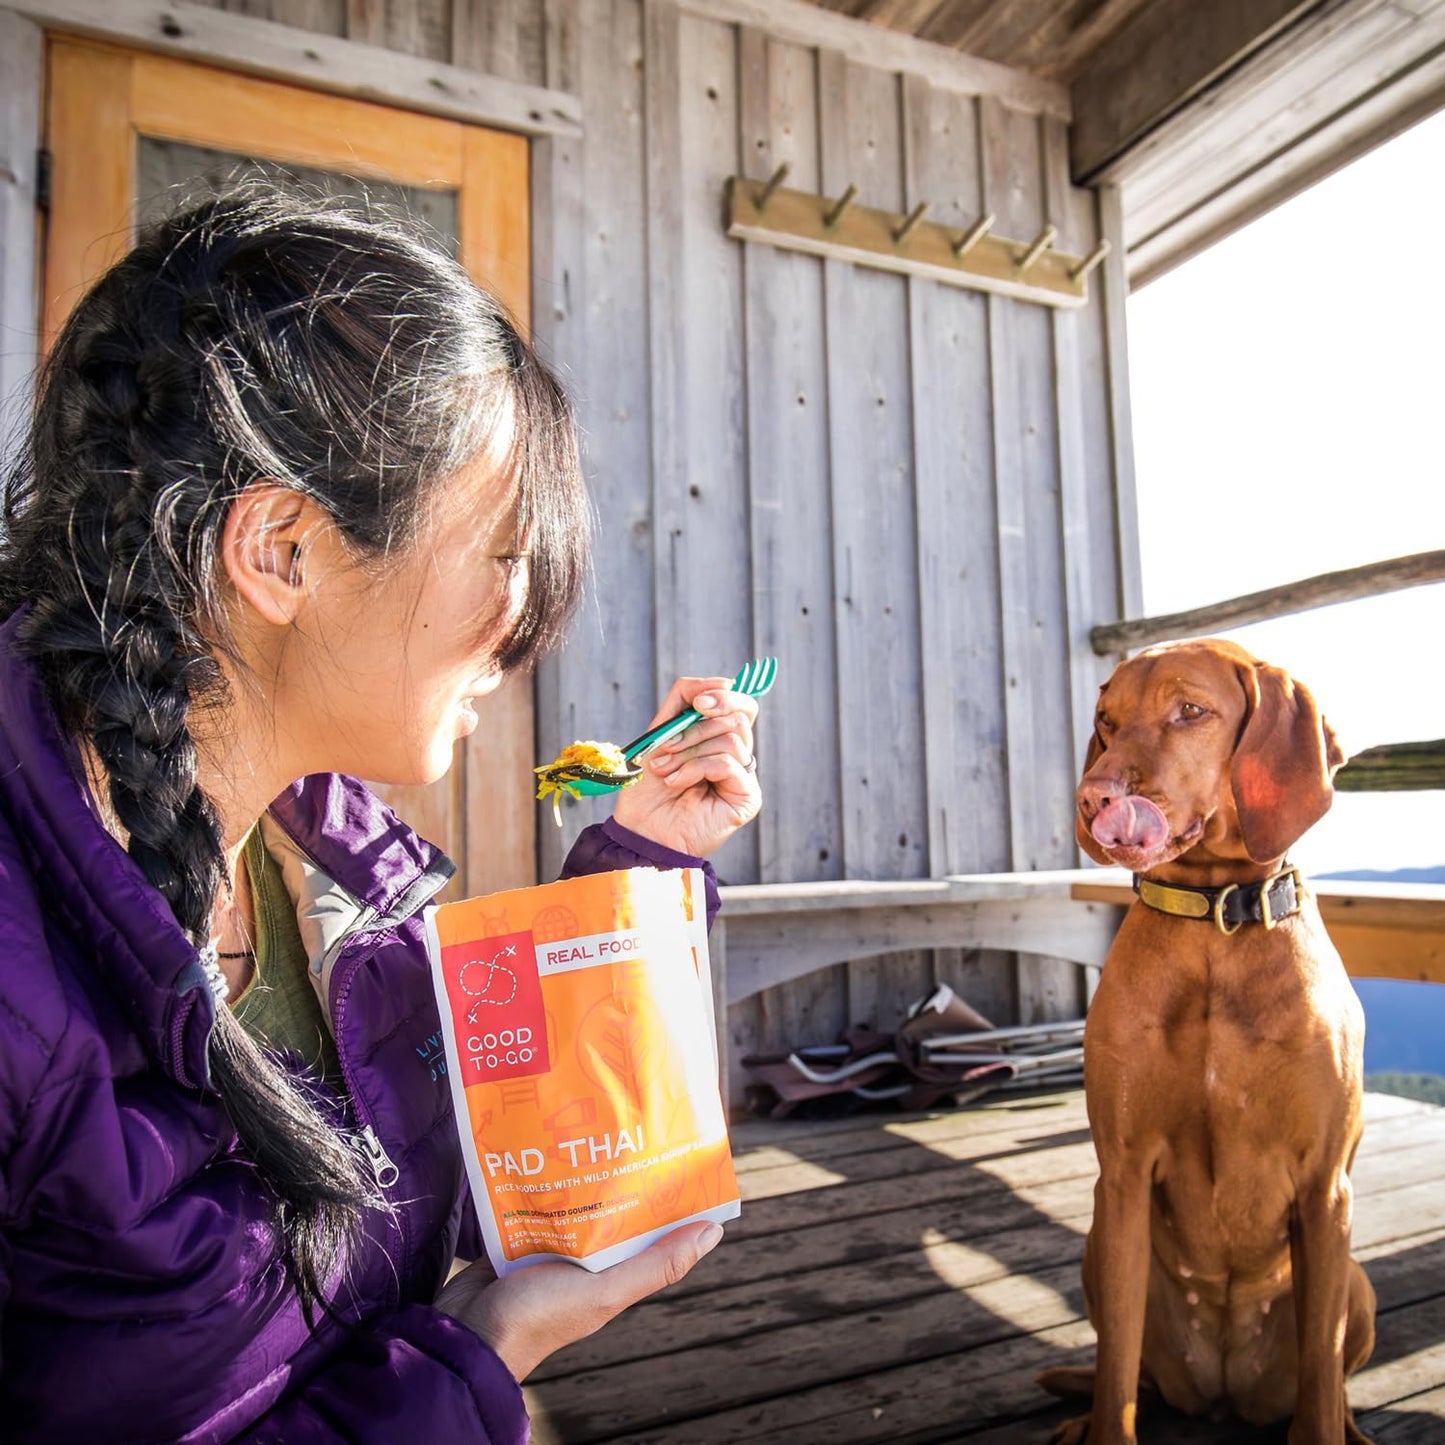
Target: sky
[(1288, 390)]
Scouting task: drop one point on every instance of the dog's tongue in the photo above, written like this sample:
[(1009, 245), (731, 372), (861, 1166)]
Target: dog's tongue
[(1130, 823)]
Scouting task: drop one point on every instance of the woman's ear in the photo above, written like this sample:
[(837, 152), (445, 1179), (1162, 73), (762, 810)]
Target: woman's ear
[(263, 549), (1284, 763)]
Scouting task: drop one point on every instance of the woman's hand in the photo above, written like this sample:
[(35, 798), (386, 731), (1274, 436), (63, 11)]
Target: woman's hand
[(698, 789), (536, 1311)]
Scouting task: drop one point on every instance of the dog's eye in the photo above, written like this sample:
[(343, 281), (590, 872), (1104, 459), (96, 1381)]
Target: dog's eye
[(1104, 723), (1189, 711)]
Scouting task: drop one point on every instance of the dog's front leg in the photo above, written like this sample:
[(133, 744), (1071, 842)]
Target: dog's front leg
[(1320, 1258), (1121, 1241)]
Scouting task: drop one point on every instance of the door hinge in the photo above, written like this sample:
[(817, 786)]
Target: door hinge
[(42, 179)]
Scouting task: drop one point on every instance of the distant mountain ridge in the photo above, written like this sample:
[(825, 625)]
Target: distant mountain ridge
[(1394, 875)]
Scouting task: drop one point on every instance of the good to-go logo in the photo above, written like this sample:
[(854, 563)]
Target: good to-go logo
[(491, 983), (496, 999)]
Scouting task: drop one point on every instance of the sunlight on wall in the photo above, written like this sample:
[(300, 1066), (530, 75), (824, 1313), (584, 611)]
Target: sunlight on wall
[(1288, 392)]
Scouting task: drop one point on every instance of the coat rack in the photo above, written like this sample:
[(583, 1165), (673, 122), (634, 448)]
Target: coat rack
[(837, 228)]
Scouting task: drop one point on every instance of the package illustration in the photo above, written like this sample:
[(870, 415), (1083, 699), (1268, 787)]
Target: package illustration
[(582, 1055)]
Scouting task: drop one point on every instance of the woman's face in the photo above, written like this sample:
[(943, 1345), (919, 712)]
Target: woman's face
[(380, 674)]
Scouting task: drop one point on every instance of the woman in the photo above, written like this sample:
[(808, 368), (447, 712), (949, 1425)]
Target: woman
[(295, 495)]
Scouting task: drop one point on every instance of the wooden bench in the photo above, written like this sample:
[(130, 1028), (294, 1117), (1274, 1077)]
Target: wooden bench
[(772, 933)]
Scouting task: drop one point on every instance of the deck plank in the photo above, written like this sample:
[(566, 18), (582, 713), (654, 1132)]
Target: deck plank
[(905, 1278)]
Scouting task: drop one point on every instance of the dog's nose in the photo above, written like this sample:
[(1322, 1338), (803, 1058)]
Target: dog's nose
[(1096, 793)]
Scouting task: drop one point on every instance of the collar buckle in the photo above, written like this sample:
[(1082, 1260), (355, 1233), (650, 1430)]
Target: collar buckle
[(1266, 916), (1218, 911)]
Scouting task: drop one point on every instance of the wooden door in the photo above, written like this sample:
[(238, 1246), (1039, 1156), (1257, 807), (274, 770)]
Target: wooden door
[(119, 122)]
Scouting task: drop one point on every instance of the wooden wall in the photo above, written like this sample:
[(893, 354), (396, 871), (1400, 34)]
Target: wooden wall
[(919, 498), (913, 495)]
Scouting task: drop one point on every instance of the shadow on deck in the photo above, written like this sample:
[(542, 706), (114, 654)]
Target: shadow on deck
[(905, 1277)]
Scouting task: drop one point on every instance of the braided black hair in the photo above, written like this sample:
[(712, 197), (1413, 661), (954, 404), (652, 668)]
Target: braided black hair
[(257, 335)]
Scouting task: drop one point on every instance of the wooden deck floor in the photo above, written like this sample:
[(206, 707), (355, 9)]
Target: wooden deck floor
[(903, 1278)]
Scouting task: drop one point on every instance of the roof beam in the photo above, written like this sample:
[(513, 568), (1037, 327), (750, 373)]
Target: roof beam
[(1162, 59)]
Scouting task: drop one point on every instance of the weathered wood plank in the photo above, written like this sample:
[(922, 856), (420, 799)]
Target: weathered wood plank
[(322, 62), (667, 318), (606, 676), (765, 953), (1306, 80), (1417, 570), (883, 811), (21, 58), (701, 561), (1112, 280), (1031, 586), (963, 741), (1412, 1420), (1344, 79), (1380, 116), (558, 329), (1086, 481), (506, 38), (1093, 584), (868, 45), (1165, 55), (789, 500), (987, 1382), (327, 17), (408, 27)]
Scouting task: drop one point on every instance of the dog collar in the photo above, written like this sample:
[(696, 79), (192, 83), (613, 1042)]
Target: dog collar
[(1229, 907)]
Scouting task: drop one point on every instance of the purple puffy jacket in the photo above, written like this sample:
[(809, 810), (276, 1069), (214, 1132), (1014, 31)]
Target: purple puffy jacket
[(141, 1296)]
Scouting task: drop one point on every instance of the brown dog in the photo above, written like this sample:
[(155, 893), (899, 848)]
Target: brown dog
[(1222, 1061)]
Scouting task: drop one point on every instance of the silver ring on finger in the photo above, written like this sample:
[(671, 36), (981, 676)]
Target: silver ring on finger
[(751, 766)]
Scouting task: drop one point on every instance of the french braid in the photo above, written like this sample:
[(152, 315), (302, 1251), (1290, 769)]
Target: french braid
[(256, 336)]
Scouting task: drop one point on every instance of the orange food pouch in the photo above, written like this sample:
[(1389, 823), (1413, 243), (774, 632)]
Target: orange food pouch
[(582, 1054)]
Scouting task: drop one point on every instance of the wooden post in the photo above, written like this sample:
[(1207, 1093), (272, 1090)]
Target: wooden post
[(1322, 591), (20, 62), (1394, 768)]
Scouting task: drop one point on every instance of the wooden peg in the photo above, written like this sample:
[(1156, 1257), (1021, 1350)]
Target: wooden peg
[(844, 201), (973, 235), (1089, 261), (1037, 247), (773, 182), (914, 217)]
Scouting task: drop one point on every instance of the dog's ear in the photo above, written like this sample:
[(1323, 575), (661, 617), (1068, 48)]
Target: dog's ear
[(1082, 836), (1284, 764)]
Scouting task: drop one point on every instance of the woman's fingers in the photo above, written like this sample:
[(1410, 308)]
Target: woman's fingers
[(734, 740), (684, 694), (732, 714), (658, 1266), (728, 775), (531, 1313)]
